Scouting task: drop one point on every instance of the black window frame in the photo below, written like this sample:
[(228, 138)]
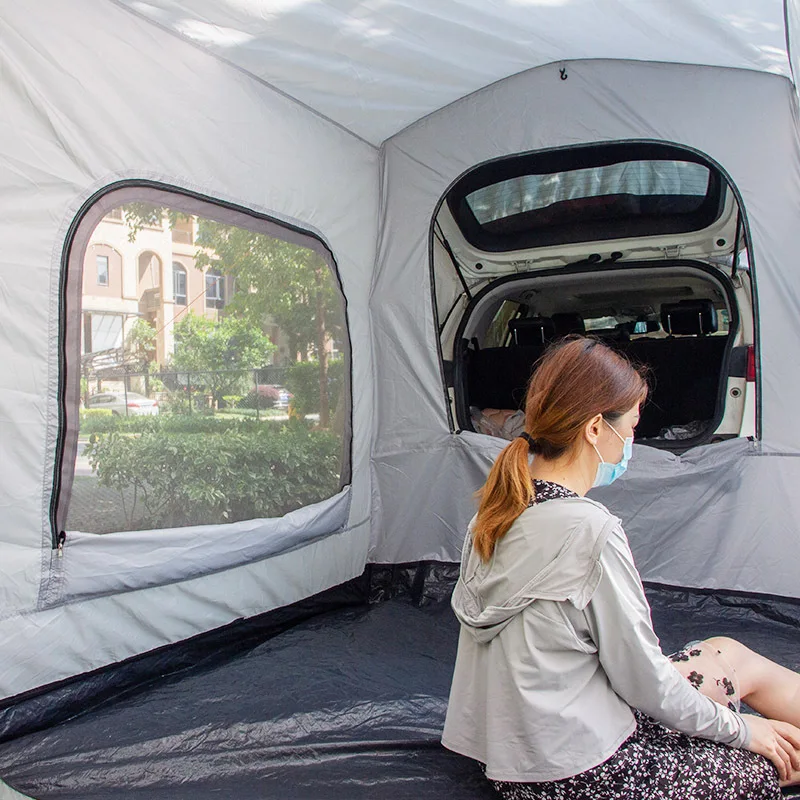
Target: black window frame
[(93, 210)]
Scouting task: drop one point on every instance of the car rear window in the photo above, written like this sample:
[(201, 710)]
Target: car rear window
[(619, 190), (597, 193)]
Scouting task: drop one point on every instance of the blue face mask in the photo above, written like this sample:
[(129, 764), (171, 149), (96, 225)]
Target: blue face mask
[(608, 473)]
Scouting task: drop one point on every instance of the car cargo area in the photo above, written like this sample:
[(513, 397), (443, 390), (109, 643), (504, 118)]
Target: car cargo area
[(678, 320)]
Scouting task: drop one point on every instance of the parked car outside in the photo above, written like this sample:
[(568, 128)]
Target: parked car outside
[(124, 404)]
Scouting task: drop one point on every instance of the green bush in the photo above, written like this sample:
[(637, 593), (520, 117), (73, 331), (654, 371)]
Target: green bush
[(168, 423), (250, 471), (97, 420), (302, 380)]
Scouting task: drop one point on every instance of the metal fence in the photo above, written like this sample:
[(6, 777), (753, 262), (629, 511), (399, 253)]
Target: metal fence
[(183, 391)]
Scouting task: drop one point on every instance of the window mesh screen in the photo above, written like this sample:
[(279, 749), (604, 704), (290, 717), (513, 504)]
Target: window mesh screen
[(213, 379)]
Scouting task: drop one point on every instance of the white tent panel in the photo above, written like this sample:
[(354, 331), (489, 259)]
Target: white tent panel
[(74, 638), (92, 97), (376, 67)]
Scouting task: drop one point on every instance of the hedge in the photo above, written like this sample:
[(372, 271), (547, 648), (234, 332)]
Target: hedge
[(302, 380), (190, 479), (166, 423)]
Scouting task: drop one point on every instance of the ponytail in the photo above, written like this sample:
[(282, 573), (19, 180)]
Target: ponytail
[(507, 492)]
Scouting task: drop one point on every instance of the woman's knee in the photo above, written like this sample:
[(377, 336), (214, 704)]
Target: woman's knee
[(724, 644), (752, 670)]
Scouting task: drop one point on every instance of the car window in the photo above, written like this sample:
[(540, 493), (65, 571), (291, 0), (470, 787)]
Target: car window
[(497, 334)]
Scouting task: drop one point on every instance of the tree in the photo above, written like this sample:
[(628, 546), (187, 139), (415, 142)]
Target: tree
[(140, 343), (219, 354), (288, 284)]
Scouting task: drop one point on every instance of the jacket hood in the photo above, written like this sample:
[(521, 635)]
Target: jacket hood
[(551, 552)]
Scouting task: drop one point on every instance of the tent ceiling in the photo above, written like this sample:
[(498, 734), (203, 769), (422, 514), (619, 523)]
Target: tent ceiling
[(376, 66)]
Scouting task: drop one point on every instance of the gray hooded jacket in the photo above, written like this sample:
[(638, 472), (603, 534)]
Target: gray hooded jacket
[(556, 646)]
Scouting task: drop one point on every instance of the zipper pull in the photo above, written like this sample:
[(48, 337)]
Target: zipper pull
[(62, 538)]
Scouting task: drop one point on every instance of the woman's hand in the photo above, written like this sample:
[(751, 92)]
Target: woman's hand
[(777, 741)]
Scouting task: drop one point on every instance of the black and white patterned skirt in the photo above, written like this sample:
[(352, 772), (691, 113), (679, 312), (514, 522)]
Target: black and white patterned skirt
[(656, 763)]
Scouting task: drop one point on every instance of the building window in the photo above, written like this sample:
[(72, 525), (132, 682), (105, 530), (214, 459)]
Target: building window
[(102, 270), (179, 283), (215, 289)]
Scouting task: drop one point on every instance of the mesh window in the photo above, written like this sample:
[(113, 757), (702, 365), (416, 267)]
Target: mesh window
[(192, 403)]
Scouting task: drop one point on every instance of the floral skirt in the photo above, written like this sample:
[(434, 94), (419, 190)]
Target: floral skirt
[(655, 763), (658, 764)]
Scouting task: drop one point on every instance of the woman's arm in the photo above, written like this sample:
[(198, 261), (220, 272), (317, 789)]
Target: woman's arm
[(619, 621)]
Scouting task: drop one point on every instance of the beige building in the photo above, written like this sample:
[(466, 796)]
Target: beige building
[(154, 278)]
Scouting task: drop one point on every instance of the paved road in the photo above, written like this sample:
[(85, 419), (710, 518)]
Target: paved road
[(82, 467)]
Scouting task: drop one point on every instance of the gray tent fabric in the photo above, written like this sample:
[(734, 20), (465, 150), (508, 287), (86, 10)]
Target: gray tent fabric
[(93, 96), (349, 123), (377, 70), (600, 101)]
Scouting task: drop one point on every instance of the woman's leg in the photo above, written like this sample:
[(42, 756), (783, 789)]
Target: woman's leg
[(765, 686), (727, 672)]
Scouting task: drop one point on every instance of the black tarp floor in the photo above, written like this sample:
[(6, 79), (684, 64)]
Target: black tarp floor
[(347, 704)]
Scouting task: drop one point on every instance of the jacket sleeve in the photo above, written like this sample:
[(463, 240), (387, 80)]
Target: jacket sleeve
[(619, 621)]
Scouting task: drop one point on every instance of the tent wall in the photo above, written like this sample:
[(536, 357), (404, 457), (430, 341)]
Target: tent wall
[(423, 474), (92, 95)]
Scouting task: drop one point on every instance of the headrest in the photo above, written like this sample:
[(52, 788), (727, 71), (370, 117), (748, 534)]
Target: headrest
[(689, 317), (565, 324), (531, 330)]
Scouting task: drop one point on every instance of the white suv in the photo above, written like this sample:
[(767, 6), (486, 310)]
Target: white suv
[(640, 245)]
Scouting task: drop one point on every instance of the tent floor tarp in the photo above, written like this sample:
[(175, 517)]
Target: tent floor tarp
[(347, 703)]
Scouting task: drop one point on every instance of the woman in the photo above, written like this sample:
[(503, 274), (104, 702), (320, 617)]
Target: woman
[(560, 688)]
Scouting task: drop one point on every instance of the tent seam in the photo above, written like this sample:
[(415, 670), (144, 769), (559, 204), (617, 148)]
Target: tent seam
[(556, 62)]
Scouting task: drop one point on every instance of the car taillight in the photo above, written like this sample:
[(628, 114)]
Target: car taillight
[(131, 404), (750, 372), (155, 403)]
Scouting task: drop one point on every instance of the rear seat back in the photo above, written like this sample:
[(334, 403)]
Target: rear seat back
[(684, 380), (685, 370), (533, 331), (565, 324), (497, 377), (689, 318)]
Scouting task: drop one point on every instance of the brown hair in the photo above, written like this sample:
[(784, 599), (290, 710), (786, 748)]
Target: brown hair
[(573, 381)]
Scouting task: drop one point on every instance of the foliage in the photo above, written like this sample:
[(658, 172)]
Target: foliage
[(147, 215), (164, 423), (180, 479), (263, 396), (279, 282), (92, 419), (283, 282), (219, 353), (140, 342), (302, 380)]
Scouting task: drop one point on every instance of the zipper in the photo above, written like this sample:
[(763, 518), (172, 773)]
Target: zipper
[(57, 537)]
